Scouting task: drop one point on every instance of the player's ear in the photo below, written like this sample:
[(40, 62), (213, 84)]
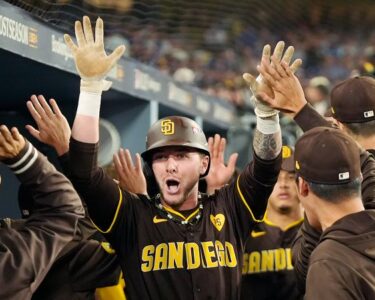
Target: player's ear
[(204, 164)]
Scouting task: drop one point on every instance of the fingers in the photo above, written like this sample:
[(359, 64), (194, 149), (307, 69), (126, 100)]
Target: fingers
[(16, 135), (266, 52), (232, 161), (250, 79), (288, 54), (99, 29), (138, 162), (295, 65), (55, 107), (280, 70), (6, 134), (69, 42), (222, 145), (268, 73), (216, 147), (46, 108), (115, 55), (32, 111), (118, 166), (34, 132), (210, 145), (88, 30), (81, 41), (38, 107), (278, 52)]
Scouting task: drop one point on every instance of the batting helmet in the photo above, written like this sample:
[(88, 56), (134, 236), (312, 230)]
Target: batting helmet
[(175, 131)]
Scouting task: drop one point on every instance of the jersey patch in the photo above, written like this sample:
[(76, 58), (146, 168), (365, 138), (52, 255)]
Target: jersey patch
[(218, 221)]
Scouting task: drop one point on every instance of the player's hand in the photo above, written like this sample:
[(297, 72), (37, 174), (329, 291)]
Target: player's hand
[(92, 62), (288, 93), (11, 142), (131, 177), (219, 174), (52, 127), (261, 86)]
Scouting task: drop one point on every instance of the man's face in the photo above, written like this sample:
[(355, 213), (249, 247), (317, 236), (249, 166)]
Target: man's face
[(284, 197), (177, 171)]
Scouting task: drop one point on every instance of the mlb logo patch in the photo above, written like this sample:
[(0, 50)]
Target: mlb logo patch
[(368, 114), (343, 176)]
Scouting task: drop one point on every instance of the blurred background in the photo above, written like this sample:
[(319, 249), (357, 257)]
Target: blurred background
[(210, 43)]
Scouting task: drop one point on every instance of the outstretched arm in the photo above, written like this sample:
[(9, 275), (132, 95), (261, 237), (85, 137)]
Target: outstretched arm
[(102, 194), (93, 65), (28, 253)]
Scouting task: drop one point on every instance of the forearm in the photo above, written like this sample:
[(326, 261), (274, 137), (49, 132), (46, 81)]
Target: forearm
[(86, 123), (267, 138), (308, 118)]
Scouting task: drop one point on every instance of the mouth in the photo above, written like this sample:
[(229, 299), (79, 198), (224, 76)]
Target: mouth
[(172, 186), (284, 196)]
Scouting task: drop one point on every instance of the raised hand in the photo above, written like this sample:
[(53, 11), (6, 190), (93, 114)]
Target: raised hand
[(219, 174), (11, 142), (91, 60), (288, 93), (261, 86), (131, 177), (52, 127)]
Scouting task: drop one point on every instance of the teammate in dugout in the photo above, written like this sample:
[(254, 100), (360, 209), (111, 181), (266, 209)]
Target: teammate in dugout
[(352, 103), (267, 271), (28, 252), (180, 244)]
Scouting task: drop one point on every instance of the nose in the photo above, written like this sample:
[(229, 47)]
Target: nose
[(171, 165)]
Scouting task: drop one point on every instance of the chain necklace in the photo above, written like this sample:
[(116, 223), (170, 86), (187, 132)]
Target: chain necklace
[(176, 220)]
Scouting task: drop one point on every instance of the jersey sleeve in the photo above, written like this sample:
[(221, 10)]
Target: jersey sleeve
[(309, 118), (248, 195), (29, 251), (99, 191)]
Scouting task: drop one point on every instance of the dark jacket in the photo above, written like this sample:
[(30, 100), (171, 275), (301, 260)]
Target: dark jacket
[(308, 238), (27, 253), (343, 264)]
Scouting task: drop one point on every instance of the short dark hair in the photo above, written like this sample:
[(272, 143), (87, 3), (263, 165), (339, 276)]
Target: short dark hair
[(337, 192), (365, 129)]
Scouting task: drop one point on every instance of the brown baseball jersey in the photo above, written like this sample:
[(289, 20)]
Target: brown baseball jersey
[(267, 271), (27, 253), (162, 258)]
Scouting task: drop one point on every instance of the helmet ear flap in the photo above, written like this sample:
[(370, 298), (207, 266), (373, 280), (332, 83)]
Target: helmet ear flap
[(152, 185)]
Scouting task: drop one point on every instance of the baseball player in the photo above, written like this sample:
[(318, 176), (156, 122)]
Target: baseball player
[(28, 253), (342, 266), (87, 263), (352, 103), (267, 271), (179, 244)]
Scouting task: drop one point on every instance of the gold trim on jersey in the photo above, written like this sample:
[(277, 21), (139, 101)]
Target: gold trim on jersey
[(245, 203), (293, 224), (115, 216), (175, 212)]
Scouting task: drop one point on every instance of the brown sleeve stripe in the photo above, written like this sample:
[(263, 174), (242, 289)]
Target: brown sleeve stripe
[(245, 202)]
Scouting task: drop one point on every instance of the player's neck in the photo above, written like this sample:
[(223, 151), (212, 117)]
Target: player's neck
[(284, 220)]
